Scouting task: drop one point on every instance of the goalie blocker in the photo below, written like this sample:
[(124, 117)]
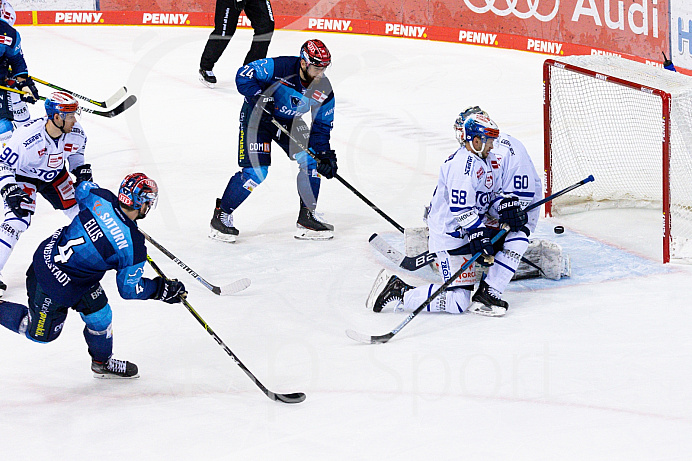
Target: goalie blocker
[(543, 258)]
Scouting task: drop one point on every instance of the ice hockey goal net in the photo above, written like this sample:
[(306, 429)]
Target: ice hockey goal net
[(630, 125)]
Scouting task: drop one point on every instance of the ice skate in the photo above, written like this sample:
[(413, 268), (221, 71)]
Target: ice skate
[(387, 292), (311, 227), (114, 369), (486, 302), (207, 78), (221, 227)]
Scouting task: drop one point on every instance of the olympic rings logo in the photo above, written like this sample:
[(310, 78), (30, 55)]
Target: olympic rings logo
[(512, 9)]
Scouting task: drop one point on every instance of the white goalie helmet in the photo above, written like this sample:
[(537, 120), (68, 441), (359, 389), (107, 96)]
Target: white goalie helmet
[(459, 123)]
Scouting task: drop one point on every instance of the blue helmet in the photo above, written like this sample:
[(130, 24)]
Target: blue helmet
[(61, 103), (136, 190), (479, 125), (459, 123)]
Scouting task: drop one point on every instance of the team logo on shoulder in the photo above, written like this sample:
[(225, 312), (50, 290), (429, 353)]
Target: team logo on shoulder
[(5, 40), (71, 147), (494, 164), (480, 172), (319, 96), (489, 180)]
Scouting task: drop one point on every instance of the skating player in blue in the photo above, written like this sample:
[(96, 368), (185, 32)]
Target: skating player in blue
[(286, 87), (68, 266)]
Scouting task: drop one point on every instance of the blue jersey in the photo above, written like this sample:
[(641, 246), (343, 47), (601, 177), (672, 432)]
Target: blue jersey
[(11, 52), (280, 78), (99, 238)]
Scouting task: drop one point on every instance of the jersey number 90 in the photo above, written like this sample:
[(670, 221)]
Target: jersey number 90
[(8, 156)]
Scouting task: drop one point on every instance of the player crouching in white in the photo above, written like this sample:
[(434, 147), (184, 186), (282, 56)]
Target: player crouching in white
[(33, 161), (466, 191)]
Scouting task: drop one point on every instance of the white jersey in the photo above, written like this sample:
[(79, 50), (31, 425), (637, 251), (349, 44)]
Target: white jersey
[(516, 174), (32, 153), (466, 190)]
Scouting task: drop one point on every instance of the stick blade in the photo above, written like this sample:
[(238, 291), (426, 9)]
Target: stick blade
[(367, 339), (386, 250), (235, 287), (116, 97), (296, 397)]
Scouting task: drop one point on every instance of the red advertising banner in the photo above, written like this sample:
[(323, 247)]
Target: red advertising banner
[(637, 29), (634, 27)]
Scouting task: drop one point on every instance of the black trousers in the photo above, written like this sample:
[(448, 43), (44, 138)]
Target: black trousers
[(260, 14)]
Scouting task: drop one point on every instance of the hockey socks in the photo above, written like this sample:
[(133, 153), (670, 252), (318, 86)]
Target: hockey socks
[(454, 300), (98, 334), (308, 183), (241, 185), (12, 315)]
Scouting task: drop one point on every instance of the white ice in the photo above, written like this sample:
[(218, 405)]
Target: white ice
[(592, 370)]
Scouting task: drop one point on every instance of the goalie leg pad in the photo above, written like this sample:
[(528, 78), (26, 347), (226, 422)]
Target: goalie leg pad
[(549, 257)]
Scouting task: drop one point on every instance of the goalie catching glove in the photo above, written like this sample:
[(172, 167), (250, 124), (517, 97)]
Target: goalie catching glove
[(16, 199), (511, 214), (169, 291)]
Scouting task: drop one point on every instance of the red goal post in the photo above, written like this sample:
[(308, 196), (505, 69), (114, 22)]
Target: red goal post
[(630, 125)]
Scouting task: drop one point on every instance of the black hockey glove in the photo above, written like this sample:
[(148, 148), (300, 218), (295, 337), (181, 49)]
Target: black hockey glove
[(14, 196), (169, 291), (239, 5), (264, 103), (327, 166), (511, 214), (479, 242), (28, 85), (82, 173)]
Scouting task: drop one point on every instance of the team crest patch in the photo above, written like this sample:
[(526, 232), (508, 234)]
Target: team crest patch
[(55, 160), (489, 180), (297, 102)]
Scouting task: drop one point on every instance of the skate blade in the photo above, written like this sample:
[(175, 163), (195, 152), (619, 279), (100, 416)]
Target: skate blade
[(110, 376), (380, 282), (205, 83), (307, 234), (216, 235), (488, 311)]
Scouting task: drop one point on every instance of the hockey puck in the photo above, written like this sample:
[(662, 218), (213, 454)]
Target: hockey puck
[(559, 229)]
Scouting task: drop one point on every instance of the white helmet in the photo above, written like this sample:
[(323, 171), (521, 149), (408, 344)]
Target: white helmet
[(7, 13)]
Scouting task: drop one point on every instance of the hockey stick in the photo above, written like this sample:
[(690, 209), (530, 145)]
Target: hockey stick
[(122, 107), (117, 96), (384, 338), (295, 397), (413, 263), (231, 288), (336, 175)]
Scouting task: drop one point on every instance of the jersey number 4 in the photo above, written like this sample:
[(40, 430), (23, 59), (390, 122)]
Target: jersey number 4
[(65, 251)]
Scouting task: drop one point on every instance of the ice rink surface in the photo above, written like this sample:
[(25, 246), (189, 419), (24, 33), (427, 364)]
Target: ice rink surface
[(598, 367)]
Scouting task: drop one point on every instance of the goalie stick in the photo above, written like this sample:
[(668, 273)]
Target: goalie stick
[(122, 107), (381, 339), (413, 263), (295, 397), (231, 288), (117, 96)]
